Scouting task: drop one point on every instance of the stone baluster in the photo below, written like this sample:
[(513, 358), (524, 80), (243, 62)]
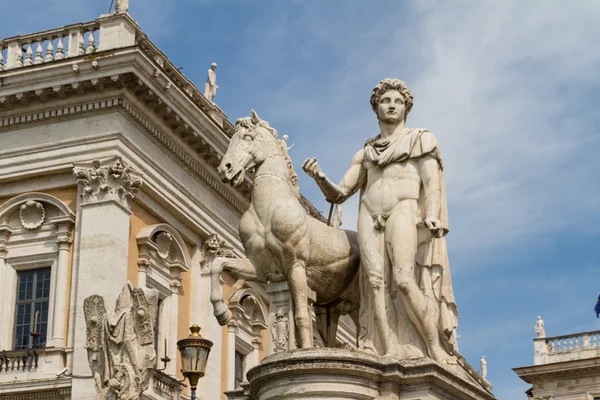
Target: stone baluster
[(585, 341), (1, 58), (91, 43), (60, 52), (19, 61), (28, 55), (49, 51), (39, 58)]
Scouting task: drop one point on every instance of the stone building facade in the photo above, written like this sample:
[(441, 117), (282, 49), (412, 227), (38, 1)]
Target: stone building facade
[(108, 157), (564, 367)]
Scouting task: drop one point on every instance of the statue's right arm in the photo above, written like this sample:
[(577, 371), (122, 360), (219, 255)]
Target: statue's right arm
[(353, 179)]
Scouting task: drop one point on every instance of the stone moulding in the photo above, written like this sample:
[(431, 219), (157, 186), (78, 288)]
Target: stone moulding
[(338, 374)]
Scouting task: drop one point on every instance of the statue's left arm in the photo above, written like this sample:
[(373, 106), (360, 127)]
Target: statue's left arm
[(429, 168)]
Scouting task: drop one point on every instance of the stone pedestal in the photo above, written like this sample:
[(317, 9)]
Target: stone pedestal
[(282, 326), (337, 374)]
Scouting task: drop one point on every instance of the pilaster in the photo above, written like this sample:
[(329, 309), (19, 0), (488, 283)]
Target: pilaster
[(107, 188)]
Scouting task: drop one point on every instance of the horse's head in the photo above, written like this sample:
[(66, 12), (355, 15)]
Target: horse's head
[(252, 143)]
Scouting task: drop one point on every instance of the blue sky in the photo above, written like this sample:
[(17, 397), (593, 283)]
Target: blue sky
[(509, 88)]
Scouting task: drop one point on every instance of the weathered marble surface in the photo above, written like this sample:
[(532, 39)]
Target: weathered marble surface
[(120, 343), (281, 240), (407, 303), (336, 374)]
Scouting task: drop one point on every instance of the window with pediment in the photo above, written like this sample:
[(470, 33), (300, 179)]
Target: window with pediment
[(162, 257)]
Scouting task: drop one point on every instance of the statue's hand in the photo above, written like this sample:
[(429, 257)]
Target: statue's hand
[(312, 169), (435, 227)]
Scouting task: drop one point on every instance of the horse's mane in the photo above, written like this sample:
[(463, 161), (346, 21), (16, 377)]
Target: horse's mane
[(249, 124)]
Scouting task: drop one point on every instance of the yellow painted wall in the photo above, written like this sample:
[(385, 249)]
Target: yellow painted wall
[(140, 218)]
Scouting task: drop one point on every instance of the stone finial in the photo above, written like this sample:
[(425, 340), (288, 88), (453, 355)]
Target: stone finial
[(540, 330), (122, 369), (109, 180)]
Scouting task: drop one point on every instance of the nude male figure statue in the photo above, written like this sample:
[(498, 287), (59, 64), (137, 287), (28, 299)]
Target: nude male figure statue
[(401, 218)]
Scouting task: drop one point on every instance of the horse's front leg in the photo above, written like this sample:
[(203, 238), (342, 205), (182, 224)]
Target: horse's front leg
[(299, 288), (240, 268)]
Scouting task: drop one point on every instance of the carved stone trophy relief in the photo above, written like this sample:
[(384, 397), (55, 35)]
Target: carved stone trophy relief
[(120, 343), (280, 331)]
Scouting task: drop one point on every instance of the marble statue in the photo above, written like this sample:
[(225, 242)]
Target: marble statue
[(122, 6), (281, 240), (211, 87), (540, 330), (336, 220), (483, 365), (407, 303), (120, 343)]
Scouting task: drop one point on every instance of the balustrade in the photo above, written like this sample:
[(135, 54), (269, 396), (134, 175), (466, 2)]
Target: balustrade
[(18, 361), (48, 46), (576, 342)]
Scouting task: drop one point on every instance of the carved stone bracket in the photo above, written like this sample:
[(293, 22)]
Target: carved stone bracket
[(108, 180)]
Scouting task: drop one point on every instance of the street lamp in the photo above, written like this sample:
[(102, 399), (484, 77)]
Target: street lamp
[(194, 354)]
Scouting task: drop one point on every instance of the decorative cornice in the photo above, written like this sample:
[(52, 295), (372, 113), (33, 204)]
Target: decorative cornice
[(182, 156)]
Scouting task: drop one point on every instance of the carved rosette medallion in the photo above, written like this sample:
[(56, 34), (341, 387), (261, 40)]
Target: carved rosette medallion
[(163, 244), (32, 214), (114, 181), (280, 331)]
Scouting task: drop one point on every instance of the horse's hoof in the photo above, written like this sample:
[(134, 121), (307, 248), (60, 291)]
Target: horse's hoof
[(223, 315)]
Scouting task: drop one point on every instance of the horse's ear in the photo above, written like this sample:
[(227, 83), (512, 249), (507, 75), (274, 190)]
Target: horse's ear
[(254, 117)]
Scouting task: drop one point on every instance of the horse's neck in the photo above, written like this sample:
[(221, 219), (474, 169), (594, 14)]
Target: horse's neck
[(272, 176)]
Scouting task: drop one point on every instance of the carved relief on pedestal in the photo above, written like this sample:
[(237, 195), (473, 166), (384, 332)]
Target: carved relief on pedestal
[(112, 181), (120, 343), (280, 331), (32, 214)]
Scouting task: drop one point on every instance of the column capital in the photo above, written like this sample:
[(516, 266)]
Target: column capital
[(175, 285), (64, 242), (143, 264), (232, 326), (107, 180)]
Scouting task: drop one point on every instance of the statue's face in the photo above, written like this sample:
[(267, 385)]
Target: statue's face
[(391, 108)]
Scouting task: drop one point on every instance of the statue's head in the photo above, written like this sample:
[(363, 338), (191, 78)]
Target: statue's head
[(391, 100), (252, 142), (213, 66)]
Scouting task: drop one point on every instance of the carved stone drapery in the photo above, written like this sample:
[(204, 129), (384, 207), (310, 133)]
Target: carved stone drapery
[(108, 180), (120, 343)]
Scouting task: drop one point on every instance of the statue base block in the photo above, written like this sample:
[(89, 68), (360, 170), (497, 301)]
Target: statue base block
[(337, 374)]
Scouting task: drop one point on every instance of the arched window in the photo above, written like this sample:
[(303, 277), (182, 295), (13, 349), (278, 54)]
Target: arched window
[(244, 335), (35, 242), (162, 257)]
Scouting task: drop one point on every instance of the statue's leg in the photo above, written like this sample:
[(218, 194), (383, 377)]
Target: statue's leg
[(371, 256), (298, 286), (401, 240), (240, 268)]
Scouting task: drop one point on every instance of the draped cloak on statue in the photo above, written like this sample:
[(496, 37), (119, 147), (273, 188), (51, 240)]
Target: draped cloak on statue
[(433, 270)]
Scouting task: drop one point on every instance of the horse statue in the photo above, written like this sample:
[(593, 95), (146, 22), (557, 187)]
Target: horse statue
[(281, 240)]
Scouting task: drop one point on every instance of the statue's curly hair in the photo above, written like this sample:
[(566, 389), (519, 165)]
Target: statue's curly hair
[(392, 84)]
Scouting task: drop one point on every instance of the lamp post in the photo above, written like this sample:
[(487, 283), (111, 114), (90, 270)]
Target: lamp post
[(194, 354)]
